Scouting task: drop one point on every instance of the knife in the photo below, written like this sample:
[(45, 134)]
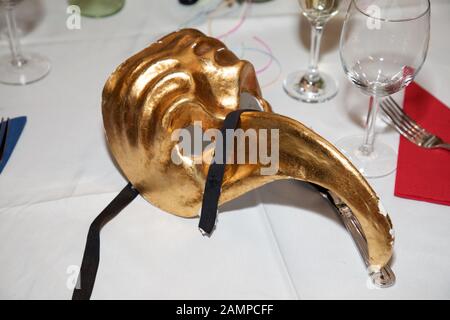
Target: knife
[(385, 277), (4, 126)]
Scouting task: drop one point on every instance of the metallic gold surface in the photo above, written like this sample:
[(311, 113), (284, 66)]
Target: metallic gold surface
[(187, 77)]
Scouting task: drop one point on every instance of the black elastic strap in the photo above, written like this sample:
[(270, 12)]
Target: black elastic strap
[(214, 179), (91, 256)]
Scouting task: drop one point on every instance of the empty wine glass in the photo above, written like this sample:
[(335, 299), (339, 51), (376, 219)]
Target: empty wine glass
[(383, 46), (19, 68), (311, 85)]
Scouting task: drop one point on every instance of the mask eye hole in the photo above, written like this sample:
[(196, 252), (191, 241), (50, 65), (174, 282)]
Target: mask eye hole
[(202, 48), (195, 142), (225, 57)]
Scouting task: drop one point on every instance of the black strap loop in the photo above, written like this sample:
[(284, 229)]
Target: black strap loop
[(91, 256), (214, 179)]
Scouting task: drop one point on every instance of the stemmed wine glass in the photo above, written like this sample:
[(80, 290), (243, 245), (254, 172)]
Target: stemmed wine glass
[(383, 46), (19, 68), (311, 85)]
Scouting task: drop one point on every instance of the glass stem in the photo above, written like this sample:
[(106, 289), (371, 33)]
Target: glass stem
[(316, 39), (13, 37), (369, 136)]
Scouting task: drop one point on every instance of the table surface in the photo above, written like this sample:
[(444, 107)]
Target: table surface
[(281, 241)]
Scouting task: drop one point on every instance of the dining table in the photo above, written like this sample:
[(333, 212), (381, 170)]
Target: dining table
[(280, 241)]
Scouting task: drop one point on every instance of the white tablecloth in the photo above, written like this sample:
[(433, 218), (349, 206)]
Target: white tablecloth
[(279, 242)]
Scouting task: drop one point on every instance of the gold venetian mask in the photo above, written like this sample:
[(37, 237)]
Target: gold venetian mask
[(187, 77)]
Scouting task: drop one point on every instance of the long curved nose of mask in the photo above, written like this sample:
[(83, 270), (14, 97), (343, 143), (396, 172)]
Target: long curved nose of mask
[(304, 155)]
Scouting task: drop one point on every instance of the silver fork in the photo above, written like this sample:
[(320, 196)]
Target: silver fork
[(4, 125), (409, 128)]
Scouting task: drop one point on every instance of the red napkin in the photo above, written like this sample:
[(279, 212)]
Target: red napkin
[(424, 174)]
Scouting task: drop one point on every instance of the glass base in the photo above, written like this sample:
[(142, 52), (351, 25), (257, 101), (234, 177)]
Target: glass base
[(98, 8), (298, 88), (381, 162), (34, 68)]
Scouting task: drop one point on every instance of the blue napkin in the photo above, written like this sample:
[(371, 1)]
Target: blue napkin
[(16, 126)]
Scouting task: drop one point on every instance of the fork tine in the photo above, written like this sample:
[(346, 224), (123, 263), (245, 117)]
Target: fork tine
[(398, 124), (400, 111), (416, 134), (401, 116), (408, 127), (395, 118)]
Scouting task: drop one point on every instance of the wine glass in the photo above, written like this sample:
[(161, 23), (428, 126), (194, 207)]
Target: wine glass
[(98, 8), (311, 85), (19, 68), (383, 46)]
